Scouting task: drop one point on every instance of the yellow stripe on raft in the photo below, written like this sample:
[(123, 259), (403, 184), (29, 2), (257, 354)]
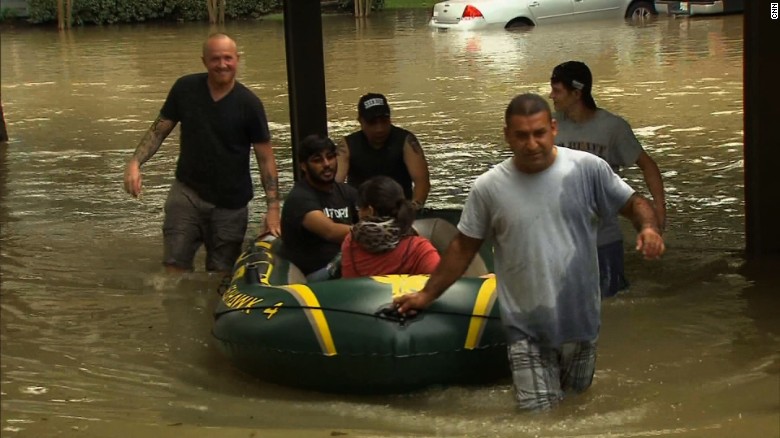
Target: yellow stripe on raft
[(483, 305), (239, 273), (316, 316)]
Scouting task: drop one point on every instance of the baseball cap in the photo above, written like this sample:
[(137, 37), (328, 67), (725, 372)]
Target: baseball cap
[(575, 74), (373, 105)]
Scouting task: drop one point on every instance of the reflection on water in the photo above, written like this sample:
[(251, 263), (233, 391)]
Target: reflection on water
[(95, 337)]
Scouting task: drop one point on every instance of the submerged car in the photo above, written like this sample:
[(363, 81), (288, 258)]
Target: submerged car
[(699, 7), (477, 14)]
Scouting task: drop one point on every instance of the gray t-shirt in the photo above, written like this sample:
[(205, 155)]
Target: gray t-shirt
[(543, 227), (609, 137)]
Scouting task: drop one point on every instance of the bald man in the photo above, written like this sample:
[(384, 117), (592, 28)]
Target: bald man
[(221, 120)]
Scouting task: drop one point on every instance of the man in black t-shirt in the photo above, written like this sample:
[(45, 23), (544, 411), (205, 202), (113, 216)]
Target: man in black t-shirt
[(319, 212), (221, 120)]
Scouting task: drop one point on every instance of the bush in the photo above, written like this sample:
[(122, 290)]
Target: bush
[(7, 14), (349, 5), (128, 11)]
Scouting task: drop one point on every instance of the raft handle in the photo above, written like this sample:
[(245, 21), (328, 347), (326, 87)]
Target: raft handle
[(250, 275), (390, 312)]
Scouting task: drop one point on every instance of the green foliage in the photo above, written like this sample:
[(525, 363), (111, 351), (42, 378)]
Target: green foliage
[(410, 4), (349, 5), (251, 8), (42, 11), (7, 14), (126, 11)]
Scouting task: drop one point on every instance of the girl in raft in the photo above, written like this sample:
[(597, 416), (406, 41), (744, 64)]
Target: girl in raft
[(383, 241)]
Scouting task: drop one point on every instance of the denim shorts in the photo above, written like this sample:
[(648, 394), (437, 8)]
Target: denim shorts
[(191, 222), (543, 375), (612, 275)]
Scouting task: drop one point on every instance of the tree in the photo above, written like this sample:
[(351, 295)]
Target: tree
[(216, 10), (64, 14)]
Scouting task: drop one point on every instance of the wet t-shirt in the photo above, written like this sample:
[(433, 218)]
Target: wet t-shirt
[(609, 137), (544, 228)]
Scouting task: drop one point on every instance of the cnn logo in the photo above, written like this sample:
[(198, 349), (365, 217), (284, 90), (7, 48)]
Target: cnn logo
[(773, 11)]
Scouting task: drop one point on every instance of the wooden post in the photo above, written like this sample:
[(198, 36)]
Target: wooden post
[(762, 139)]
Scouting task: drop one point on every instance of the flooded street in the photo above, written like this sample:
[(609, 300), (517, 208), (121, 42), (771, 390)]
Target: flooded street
[(98, 342)]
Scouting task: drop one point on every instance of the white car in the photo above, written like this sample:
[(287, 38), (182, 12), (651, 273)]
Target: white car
[(477, 14)]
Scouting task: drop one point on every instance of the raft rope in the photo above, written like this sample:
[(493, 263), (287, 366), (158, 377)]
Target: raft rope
[(354, 312)]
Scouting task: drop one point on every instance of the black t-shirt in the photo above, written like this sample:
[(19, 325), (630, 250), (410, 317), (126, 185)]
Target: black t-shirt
[(366, 162), (303, 248), (216, 139)]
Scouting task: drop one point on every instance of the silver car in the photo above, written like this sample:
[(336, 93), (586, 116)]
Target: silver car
[(477, 14), (699, 7)]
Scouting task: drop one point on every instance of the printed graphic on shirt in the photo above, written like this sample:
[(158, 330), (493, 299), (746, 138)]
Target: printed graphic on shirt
[(597, 149), (336, 213)]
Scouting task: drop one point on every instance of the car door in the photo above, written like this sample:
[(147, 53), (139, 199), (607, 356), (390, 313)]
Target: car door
[(551, 11), (597, 9)]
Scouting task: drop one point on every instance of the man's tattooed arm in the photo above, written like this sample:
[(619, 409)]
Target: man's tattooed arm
[(266, 162), (417, 165), (411, 139), (153, 139), (342, 158)]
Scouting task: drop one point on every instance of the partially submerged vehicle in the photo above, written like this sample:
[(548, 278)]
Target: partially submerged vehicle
[(478, 14), (699, 7)]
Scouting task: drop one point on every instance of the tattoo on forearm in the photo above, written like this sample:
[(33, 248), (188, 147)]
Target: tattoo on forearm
[(414, 143), (151, 141), (271, 186)]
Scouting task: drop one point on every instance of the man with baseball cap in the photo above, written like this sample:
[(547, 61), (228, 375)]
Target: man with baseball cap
[(584, 126), (381, 148)]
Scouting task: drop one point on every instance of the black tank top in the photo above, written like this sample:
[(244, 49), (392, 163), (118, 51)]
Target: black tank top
[(366, 161)]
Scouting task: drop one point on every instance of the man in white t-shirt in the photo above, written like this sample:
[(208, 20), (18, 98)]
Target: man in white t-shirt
[(541, 208)]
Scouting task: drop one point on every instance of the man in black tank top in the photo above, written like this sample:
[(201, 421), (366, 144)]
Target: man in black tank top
[(381, 148)]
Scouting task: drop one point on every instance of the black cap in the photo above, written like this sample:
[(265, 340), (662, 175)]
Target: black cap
[(373, 105), (576, 75)]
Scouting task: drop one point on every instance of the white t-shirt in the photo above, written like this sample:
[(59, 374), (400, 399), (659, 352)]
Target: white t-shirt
[(543, 227)]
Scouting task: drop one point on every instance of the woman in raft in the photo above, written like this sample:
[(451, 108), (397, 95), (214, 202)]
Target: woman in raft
[(383, 241)]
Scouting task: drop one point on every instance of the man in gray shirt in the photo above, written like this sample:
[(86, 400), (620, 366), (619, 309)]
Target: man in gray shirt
[(542, 207), (584, 126)]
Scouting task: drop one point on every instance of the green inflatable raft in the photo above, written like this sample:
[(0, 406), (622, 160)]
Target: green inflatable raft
[(344, 335)]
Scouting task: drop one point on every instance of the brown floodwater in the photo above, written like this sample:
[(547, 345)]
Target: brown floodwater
[(97, 341)]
